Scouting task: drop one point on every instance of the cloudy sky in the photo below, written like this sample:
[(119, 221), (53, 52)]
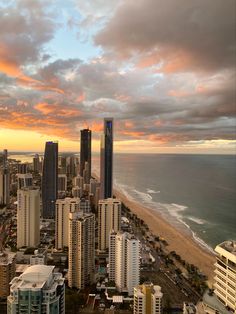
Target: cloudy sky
[(164, 69)]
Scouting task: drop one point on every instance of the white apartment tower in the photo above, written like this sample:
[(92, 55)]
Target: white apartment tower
[(63, 208), (147, 299), (38, 290), (109, 219), (225, 274), (28, 217), (24, 180), (81, 249), (124, 261)]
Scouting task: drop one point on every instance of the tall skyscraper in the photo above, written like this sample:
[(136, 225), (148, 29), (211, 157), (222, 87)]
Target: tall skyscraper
[(225, 274), (109, 219), (5, 155), (50, 179), (4, 186), (28, 217), (106, 160), (148, 299), (124, 261), (38, 290), (85, 152), (7, 272), (81, 249)]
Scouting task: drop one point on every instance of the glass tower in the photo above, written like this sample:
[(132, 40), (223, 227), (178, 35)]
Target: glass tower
[(85, 151), (106, 166), (49, 180)]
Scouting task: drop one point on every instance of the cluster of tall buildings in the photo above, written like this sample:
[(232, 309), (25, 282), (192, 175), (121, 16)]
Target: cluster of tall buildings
[(83, 233)]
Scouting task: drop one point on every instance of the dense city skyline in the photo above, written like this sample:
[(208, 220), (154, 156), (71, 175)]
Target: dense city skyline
[(165, 70)]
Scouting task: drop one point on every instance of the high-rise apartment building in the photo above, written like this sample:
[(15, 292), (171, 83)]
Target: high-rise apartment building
[(23, 168), (4, 186), (62, 183), (28, 217), (124, 261), (81, 249), (225, 274), (38, 290), (63, 208), (7, 272), (50, 179), (24, 180), (36, 163), (106, 160), (147, 299), (109, 219), (85, 153)]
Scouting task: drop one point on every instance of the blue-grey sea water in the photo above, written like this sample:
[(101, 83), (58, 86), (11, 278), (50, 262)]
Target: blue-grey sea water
[(196, 193)]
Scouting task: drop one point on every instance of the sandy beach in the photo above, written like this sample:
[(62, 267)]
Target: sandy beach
[(182, 243)]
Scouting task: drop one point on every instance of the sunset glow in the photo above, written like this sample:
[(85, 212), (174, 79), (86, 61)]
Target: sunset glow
[(170, 87)]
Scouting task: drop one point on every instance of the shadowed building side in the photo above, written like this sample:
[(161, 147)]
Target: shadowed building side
[(85, 152), (50, 179), (106, 163)]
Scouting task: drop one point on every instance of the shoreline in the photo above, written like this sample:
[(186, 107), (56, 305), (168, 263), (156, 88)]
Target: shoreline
[(181, 242)]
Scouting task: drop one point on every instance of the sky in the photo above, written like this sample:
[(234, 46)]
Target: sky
[(163, 69)]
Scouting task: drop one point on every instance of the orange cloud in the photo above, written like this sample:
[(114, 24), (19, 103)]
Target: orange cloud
[(46, 109), (129, 124), (81, 97), (178, 93)]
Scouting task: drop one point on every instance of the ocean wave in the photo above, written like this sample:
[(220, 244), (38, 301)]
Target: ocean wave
[(144, 196), (202, 243), (197, 220), (150, 191), (173, 213)]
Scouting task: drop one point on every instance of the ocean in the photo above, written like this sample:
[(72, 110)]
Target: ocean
[(195, 193)]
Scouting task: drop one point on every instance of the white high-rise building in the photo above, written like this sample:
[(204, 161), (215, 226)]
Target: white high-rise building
[(63, 208), (109, 219), (81, 249), (225, 274), (147, 299), (124, 261), (24, 180), (28, 217), (38, 290)]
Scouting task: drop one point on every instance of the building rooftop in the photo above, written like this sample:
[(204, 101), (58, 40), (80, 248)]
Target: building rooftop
[(189, 308), (6, 258), (229, 246), (33, 277), (211, 300)]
